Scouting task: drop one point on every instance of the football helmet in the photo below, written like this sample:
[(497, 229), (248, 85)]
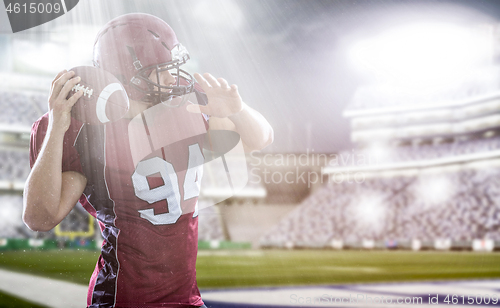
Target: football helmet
[(133, 46)]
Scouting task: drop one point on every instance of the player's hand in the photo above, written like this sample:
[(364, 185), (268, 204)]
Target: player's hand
[(223, 100), (59, 106)]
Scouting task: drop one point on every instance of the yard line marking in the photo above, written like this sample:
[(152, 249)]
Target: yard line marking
[(44, 291)]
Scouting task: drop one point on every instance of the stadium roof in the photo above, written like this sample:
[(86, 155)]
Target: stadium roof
[(388, 98)]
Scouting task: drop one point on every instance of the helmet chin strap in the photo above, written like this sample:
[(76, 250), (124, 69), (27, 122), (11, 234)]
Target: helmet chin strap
[(171, 101), (175, 101)]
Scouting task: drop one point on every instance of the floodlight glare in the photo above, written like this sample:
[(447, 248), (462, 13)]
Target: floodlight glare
[(224, 14), (46, 57), (379, 152), (370, 209), (435, 190), (61, 49), (423, 54)]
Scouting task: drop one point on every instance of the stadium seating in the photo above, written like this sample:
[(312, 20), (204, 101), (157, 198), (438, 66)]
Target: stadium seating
[(20, 108), (209, 223), (460, 206), (479, 82), (14, 165), (419, 152), (11, 224)]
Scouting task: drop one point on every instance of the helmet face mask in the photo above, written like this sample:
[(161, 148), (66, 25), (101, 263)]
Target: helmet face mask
[(159, 93)]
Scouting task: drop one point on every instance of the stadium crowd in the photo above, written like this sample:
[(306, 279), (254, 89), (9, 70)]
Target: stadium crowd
[(21, 108), (458, 205), (14, 165)]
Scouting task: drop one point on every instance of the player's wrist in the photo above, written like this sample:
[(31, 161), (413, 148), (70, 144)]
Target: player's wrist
[(56, 133), (56, 128), (235, 116)]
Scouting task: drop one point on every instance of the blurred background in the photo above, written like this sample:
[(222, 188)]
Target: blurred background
[(386, 119)]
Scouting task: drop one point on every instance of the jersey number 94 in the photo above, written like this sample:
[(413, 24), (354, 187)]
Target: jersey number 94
[(169, 191)]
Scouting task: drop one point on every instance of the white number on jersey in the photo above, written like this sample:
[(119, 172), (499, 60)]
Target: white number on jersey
[(170, 190)]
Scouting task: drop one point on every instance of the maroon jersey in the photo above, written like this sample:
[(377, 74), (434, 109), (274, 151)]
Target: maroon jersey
[(143, 181)]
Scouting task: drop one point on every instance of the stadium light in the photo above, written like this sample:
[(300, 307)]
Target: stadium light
[(7, 211), (435, 190), (40, 58), (422, 55), (370, 210), (86, 36), (378, 152), (62, 50)]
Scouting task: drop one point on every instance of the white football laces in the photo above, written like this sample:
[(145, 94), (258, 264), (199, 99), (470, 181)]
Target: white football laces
[(86, 91)]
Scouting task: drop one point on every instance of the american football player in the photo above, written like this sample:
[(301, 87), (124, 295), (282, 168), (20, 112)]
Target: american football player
[(138, 176)]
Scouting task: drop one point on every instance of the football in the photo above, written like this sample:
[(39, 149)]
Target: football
[(104, 98)]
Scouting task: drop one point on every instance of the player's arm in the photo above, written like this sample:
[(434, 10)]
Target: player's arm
[(229, 112), (50, 194)]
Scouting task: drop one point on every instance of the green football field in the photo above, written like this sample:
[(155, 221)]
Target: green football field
[(251, 268)]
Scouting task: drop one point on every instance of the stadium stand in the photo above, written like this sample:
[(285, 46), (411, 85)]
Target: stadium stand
[(469, 145), (11, 225), (14, 165), (480, 82), (209, 223), (460, 206), (20, 108)]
